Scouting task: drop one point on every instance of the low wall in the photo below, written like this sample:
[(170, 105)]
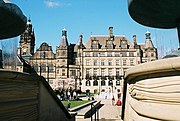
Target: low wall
[(152, 91), (29, 97)]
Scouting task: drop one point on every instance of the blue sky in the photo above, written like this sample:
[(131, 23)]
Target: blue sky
[(49, 17)]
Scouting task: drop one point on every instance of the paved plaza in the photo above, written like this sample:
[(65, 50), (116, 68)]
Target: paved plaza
[(107, 112)]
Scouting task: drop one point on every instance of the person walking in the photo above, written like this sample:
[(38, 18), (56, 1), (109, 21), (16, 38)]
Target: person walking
[(113, 100)]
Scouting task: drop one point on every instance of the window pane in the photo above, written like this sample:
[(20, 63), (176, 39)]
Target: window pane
[(95, 83), (95, 62), (117, 62), (88, 83), (35, 67), (131, 54), (109, 54), (110, 62), (117, 82), (124, 62), (87, 62), (87, 54), (102, 63), (95, 54), (103, 83), (110, 82), (132, 62), (43, 68), (51, 68)]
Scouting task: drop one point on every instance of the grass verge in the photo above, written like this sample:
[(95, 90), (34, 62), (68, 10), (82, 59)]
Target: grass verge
[(74, 103)]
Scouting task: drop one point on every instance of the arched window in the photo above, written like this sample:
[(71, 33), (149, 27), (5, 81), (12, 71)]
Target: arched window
[(117, 82), (110, 82), (95, 91), (103, 83), (95, 83), (88, 83), (87, 92)]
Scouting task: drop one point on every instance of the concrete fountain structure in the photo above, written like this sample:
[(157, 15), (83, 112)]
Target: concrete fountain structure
[(12, 20), (152, 90)]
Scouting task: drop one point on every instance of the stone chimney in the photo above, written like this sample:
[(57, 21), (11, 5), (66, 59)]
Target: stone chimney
[(111, 31)]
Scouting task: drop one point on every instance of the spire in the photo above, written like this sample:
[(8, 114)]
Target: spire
[(148, 35), (64, 41), (29, 25), (134, 39), (80, 38), (148, 42), (29, 21)]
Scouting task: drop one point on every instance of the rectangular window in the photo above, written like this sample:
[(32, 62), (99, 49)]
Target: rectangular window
[(117, 72), (87, 72), (50, 67), (95, 72), (109, 46), (87, 62), (95, 54), (36, 67), (110, 71), (43, 68), (95, 62), (124, 62), (131, 54), (110, 62), (63, 72), (109, 54), (102, 54), (117, 62), (117, 54), (72, 72), (95, 44), (124, 46), (87, 54), (57, 71), (103, 71), (124, 54), (102, 63), (131, 62)]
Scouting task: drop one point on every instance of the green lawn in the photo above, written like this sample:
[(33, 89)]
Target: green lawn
[(74, 103)]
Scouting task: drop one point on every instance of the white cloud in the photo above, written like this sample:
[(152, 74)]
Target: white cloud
[(53, 4)]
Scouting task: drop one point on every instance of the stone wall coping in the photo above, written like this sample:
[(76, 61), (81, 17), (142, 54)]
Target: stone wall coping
[(159, 68)]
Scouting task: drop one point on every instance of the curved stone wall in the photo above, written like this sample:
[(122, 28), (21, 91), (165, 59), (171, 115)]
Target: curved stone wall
[(153, 91)]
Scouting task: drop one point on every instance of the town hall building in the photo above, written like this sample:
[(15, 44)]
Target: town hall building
[(94, 66)]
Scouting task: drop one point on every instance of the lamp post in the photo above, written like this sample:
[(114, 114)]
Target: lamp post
[(99, 73), (122, 73), (75, 83)]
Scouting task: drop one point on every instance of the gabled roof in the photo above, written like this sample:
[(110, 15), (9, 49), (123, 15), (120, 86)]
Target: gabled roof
[(45, 47)]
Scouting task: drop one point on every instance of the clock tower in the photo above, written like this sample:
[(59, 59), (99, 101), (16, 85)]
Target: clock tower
[(62, 62), (27, 41)]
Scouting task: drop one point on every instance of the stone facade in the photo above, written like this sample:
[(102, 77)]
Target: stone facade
[(96, 66)]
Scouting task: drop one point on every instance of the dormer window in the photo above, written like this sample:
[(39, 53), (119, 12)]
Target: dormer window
[(95, 44), (109, 44), (123, 43)]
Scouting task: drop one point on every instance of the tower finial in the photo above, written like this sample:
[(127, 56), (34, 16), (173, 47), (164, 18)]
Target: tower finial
[(29, 20)]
